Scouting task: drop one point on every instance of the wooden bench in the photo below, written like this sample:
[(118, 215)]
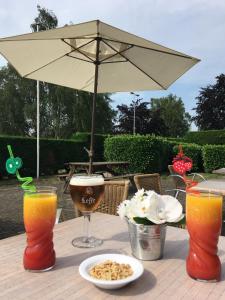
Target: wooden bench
[(62, 177), (123, 176)]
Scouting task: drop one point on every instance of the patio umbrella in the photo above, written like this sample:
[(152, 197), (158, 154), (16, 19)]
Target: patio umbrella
[(97, 58)]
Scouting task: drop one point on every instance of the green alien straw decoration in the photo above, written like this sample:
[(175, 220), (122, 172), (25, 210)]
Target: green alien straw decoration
[(12, 166)]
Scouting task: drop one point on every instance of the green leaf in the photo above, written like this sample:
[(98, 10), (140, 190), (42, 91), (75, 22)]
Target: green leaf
[(143, 221)]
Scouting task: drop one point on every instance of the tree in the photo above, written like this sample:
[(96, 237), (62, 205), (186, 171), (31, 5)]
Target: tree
[(46, 19), (210, 109), (63, 111), (166, 117), (125, 120), (171, 111), (15, 95), (146, 121)]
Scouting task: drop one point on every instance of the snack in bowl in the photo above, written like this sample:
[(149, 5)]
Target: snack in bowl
[(111, 270), (115, 263)]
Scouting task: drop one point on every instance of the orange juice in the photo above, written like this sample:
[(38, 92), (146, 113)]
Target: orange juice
[(204, 221), (39, 220)]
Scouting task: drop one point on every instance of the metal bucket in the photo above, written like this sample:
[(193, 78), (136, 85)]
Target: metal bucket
[(147, 241)]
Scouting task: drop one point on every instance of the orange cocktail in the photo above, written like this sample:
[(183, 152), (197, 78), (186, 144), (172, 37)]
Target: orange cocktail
[(39, 220), (204, 221)]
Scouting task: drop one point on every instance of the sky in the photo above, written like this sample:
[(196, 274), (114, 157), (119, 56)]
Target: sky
[(194, 27)]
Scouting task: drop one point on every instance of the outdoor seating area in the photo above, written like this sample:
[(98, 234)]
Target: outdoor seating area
[(112, 150), (116, 191)]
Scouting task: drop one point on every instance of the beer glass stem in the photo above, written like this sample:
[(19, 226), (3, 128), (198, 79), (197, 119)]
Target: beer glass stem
[(87, 220)]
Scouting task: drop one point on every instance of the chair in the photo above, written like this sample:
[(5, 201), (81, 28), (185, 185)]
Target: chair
[(148, 182), (115, 192), (178, 180)]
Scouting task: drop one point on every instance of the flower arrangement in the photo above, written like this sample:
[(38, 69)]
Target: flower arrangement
[(149, 208)]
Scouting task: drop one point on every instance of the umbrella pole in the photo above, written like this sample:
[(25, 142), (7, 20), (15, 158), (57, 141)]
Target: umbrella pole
[(91, 151), (38, 123)]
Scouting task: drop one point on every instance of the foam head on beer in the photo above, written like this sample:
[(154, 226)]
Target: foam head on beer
[(87, 180), (87, 192)]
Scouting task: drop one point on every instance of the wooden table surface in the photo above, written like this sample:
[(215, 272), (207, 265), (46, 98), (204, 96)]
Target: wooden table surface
[(162, 279), (212, 185), (99, 163)]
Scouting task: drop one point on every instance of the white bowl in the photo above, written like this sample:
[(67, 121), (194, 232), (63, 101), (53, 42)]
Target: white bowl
[(88, 263)]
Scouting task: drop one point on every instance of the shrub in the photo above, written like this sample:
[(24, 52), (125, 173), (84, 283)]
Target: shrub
[(144, 153), (193, 151), (53, 154), (216, 137), (213, 157), (149, 153)]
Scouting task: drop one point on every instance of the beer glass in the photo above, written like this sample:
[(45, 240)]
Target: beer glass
[(86, 192)]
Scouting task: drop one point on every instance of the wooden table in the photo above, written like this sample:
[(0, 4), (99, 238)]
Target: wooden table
[(104, 166), (212, 185), (162, 279)]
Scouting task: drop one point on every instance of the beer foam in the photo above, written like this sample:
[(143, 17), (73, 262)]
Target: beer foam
[(87, 180)]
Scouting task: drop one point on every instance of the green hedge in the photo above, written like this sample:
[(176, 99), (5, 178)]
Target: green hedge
[(193, 151), (145, 153), (53, 154), (213, 157), (215, 137), (149, 153)]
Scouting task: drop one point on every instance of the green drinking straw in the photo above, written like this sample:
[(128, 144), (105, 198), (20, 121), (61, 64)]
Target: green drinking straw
[(12, 166)]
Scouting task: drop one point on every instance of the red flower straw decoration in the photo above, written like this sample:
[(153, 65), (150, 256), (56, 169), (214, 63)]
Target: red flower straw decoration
[(182, 164)]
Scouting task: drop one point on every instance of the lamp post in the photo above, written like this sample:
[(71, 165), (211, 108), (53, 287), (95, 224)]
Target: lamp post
[(134, 102), (38, 123)]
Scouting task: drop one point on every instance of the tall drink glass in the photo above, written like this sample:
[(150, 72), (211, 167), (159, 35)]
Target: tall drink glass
[(87, 191), (39, 219), (204, 221)]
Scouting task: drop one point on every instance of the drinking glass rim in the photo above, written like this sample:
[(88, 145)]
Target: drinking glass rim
[(86, 180), (40, 189), (83, 175), (205, 194)]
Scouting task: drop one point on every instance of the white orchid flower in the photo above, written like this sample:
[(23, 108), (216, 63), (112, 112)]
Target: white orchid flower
[(139, 194), (165, 209), (173, 208), (156, 212), (139, 207), (123, 208), (156, 208)]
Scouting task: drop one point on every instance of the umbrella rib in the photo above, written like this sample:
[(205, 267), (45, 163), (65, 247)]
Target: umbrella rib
[(137, 67), (113, 62), (117, 52), (49, 63), (152, 49), (82, 59), (77, 49)]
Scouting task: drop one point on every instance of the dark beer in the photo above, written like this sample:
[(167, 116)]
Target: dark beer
[(87, 192)]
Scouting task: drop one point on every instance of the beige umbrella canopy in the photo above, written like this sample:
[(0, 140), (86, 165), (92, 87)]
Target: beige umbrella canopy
[(97, 58)]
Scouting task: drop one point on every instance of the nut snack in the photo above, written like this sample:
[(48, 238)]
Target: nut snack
[(111, 270)]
